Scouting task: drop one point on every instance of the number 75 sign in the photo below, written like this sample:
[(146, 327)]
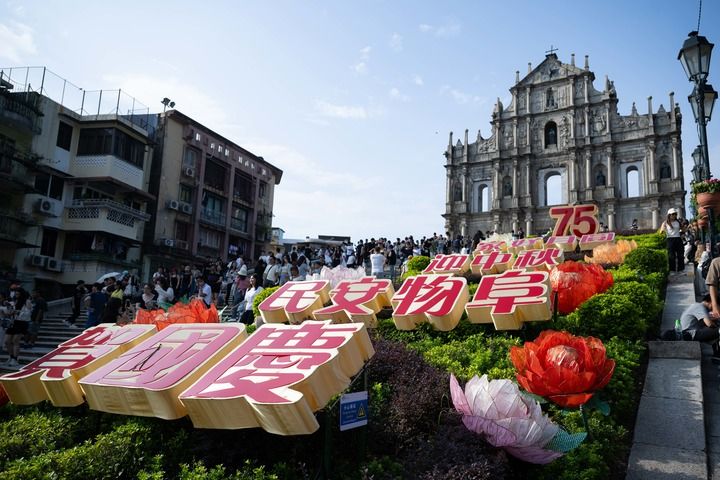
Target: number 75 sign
[(576, 220)]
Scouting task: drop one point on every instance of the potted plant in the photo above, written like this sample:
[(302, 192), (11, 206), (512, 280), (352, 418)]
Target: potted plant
[(707, 193)]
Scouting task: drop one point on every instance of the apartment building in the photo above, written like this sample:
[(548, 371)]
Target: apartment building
[(214, 198), (74, 176)]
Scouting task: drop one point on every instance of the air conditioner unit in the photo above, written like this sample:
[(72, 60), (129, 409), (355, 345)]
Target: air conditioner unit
[(189, 172), (54, 265), (186, 208), (168, 242), (38, 260), (46, 207), (173, 204)]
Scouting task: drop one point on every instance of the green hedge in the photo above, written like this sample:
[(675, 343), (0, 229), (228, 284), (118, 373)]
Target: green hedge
[(647, 260), (266, 292)]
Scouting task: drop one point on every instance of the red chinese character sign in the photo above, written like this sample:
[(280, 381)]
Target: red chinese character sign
[(437, 299), (538, 259), (55, 376), (147, 380), (295, 301), (590, 241), (566, 243), (357, 301), (455, 264), (511, 298), (278, 377), (491, 262), (575, 220)]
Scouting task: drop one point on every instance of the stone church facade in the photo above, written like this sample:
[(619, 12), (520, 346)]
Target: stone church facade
[(560, 133)]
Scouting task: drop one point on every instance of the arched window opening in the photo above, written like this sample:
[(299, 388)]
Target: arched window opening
[(632, 179), (550, 134), (553, 189), (484, 199)]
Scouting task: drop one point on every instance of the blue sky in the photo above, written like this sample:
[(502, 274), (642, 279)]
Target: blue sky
[(355, 100)]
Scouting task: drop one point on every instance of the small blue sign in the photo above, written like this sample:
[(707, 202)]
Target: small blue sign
[(353, 410)]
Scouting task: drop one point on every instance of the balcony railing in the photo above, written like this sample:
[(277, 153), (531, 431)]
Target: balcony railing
[(110, 166), (213, 217), (12, 228), (93, 215)]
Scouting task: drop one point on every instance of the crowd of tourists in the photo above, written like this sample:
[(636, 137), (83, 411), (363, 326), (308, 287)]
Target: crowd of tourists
[(20, 316)]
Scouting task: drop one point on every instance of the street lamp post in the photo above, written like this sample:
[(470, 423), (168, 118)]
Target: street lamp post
[(695, 59)]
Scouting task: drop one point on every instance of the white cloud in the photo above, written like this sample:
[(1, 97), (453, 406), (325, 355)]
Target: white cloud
[(417, 80), (397, 95), (448, 29), (396, 42), (458, 96), (360, 67), (16, 42), (189, 98), (327, 109)]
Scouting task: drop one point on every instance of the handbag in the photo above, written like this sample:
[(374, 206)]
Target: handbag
[(24, 315)]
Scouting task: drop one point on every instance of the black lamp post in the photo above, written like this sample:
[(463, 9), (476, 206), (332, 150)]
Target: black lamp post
[(699, 166), (695, 59)]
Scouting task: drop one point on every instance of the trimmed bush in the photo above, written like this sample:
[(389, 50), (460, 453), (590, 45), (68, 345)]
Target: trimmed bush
[(641, 294), (605, 316), (647, 260), (266, 292), (32, 433), (625, 386), (418, 264)]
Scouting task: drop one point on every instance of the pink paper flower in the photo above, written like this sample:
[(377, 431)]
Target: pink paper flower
[(498, 411)]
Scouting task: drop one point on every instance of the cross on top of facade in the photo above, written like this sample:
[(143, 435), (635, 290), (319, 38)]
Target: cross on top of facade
[(552, 50)]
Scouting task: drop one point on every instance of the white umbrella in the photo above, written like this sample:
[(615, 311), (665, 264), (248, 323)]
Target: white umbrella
[(114, 275)]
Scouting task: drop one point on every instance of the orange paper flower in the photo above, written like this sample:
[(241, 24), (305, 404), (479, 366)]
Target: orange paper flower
[(563, 368)]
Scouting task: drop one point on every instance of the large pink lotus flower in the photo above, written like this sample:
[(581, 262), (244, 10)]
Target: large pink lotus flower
[(340, 273), (498, 411)]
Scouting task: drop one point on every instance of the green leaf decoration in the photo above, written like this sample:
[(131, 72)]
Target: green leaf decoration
[(564, 441), (537, 398), (598, 404)]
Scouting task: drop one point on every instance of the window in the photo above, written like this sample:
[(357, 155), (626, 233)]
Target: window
[(550, 134), (549, 98), (190, 158), (215, 176), (632, 179), (209, 238), (262, 191), (239, 220), (109, 141), (81, 193), (64, 137), (186, 194), (182, 230), (197, 137), (242, 187), (49, 185), (212, 146), (49, 242), (227, 152)]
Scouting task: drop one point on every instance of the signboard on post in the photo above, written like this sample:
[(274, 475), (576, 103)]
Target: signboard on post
[(353, 410)]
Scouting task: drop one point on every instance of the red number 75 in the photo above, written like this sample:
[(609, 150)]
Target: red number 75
[(579, 220)]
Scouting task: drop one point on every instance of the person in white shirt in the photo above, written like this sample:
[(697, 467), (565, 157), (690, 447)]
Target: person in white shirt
[(248, 316), (377, 263), (204, 291), (271, 274), (673, 230), (164, 291)]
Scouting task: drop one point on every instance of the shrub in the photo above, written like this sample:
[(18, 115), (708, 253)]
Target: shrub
[(647, 260), (266, 292), (475, 355), (605, 316), (118, 454), (649, 240), (33, 433), (418, 264), (656, 281), (414, 394), (625, 386), (641, 294)]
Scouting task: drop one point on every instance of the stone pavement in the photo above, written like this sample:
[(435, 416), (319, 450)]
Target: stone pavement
[(677, 429)]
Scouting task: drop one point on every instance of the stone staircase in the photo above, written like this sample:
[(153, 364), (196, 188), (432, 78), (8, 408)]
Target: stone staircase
[(53, 332)]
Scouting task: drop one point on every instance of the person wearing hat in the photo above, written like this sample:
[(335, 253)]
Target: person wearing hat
[(673, 230)]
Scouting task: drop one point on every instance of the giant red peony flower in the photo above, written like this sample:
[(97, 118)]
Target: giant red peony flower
[(575, 282), (563, 368)]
